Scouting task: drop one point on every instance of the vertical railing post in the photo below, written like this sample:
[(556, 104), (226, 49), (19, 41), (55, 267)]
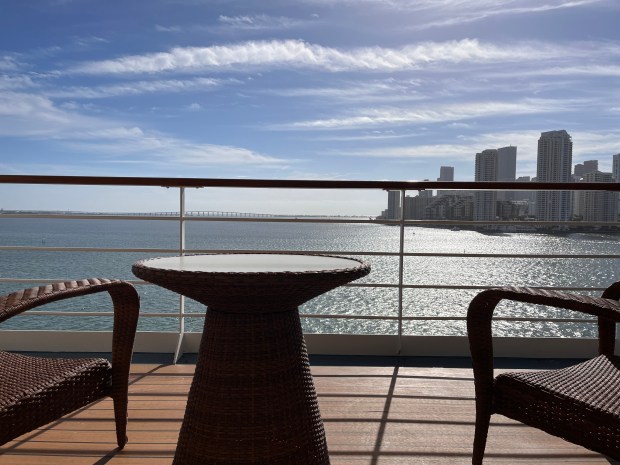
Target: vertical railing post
[(178, 352), (401, 269)]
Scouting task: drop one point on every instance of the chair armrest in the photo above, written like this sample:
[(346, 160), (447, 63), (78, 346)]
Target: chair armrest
[(126, 309), (26, 299), (480, 314)]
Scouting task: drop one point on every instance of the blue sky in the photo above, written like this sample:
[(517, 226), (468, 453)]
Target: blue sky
[(309, 89)]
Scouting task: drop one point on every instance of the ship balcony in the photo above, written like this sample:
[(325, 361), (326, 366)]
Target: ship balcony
[(387, 397)]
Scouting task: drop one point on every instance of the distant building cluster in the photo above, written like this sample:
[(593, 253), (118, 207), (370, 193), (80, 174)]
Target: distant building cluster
[(554, 164)]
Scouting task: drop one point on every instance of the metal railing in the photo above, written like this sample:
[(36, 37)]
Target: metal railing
[(402, 223)]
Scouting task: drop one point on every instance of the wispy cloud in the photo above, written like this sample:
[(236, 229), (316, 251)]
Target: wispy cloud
[(433, 114), (30, 115), (602, 70), (357, 91), (474, 9), (16, 82), (150, 146), (8, 63), (588, 145), (136, 88), (89, 41), (277, 54), (160, 28), (456, 152), (33, 116), (467, 12), (258, 22), (241, 23)]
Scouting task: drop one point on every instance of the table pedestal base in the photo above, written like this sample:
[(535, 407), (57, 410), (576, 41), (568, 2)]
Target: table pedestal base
[(252, 400)]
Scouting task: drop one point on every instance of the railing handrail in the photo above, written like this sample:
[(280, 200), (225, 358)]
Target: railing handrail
[(302, 183)]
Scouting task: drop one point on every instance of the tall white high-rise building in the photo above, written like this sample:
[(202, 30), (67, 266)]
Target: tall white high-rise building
[(485, 202), (554, 164)]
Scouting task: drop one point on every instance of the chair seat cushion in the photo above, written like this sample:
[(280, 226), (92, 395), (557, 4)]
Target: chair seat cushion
[(580, 403), (36, 390)]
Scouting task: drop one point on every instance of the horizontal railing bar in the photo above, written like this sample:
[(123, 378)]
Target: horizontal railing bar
[(291, 219), (104, 313), (303, 252), (84, 249), (370, 285), (320, 316), (301, 184), (240, 219), (55, 280), (446, 318)]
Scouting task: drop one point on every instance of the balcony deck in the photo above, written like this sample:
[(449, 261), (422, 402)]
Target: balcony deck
[(374, 413)]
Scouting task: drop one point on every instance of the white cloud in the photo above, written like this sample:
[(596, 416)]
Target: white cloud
[(29, 115), (160, 28), (8, 82), (150, 147), (602, 70), (258, 22), (433, 114), (586, 146), (137, 88), (357, 91), (300, 54), (32, 116), (464, 12), (8, 63), (89, 41)]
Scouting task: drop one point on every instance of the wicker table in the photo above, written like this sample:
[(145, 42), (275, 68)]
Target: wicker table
[(252, 400)]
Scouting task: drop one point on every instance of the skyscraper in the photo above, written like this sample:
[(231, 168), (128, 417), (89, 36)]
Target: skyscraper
[(554, 164), (599, 205), (507, 163), (506, 170), (615, 171), (587, 166), (485, 202), (394, 207), (446, 173)]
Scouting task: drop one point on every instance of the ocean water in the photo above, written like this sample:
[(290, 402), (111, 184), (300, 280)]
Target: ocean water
[(341, 238)]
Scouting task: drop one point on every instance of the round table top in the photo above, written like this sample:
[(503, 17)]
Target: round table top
[(251, 263), (251, 282)]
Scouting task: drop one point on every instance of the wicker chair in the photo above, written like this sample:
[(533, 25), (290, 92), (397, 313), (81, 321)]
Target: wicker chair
[(580, 403), (35, 391)]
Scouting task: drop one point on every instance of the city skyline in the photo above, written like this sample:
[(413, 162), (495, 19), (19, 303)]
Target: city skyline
[(554, 164), (315, 89)]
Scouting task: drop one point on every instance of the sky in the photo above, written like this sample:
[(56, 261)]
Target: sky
[(307, 89)]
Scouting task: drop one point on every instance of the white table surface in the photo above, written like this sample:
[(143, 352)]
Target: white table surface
[(251, 263)]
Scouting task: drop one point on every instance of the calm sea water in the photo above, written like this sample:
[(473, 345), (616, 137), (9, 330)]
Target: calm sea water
[(342, 238)]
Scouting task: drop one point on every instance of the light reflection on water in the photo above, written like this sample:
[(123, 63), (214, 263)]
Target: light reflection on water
[(424, 271)]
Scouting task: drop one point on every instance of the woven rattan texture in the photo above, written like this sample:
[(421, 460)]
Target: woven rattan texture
[(252, 400), (579, 403), (36, 390)]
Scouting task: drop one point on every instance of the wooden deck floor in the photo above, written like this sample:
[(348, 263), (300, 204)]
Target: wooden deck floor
[(374, 415)]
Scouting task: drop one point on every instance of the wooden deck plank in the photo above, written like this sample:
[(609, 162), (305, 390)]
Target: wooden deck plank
[(373, 416)]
